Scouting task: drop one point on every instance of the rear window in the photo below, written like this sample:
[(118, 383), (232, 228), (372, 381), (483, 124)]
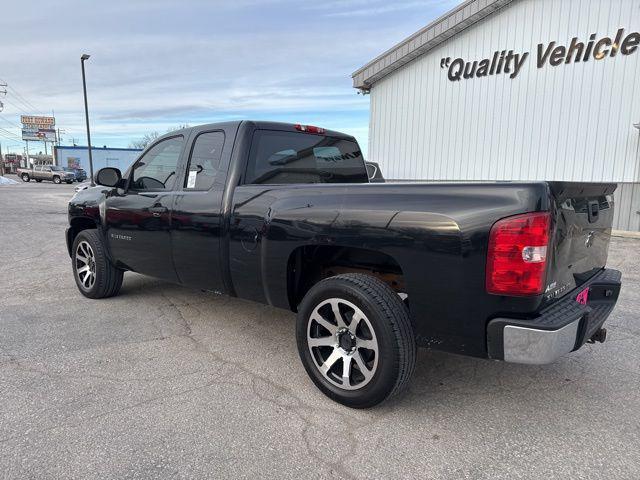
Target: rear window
[(289, 157)]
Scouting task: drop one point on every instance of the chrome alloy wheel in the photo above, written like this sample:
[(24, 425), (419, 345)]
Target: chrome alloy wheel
[(342, 343), (85, 264)]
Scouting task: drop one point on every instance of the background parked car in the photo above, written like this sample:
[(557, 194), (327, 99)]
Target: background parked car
[(52, 173), (81, 174), (71, 171)]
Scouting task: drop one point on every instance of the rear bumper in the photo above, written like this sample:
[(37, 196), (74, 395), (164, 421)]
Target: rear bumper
[(563, 327)]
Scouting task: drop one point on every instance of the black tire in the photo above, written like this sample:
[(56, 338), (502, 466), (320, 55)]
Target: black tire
[(38, 180), (389, 318), (69, 182), (57, 180), (108, 278), (25, 177)]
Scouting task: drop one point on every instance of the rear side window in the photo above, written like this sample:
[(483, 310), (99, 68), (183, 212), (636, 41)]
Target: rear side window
[(204, 162), (290, 157)]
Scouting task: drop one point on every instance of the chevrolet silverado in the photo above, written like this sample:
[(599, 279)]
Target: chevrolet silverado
[(285, 215)]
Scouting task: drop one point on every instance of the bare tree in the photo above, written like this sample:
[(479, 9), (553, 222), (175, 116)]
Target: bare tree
[(144, 141), (148, 138)]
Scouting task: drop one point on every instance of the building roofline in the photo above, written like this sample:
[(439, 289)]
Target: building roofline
[(461, 17), (75, 147)]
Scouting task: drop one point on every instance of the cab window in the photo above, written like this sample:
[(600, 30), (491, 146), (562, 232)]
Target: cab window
[(156, 169), (204, 162), (288, 157)]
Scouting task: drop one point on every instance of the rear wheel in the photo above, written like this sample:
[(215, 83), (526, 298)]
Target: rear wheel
[(355, 339), (95, 275), (69, 182), (25, 177), (57, 180)]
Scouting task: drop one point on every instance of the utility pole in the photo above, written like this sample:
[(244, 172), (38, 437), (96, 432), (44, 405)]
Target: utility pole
[(1, 162), (86, 113), (3, 92)]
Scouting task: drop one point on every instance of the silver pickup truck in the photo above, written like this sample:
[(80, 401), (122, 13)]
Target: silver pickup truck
[(52, 173)]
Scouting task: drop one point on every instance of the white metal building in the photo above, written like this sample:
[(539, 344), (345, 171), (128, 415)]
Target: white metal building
[(120, 158), (514, 90)]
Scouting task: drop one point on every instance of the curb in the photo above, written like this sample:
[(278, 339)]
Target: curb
[(625, 234)]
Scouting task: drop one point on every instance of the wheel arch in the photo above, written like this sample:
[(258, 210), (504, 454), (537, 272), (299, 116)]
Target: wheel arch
[(309, 264), (77, 225)]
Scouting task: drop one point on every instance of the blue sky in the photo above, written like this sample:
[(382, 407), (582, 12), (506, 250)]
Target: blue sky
[(157, 64)]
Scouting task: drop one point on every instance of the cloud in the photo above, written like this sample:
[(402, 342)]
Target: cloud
[(155, 64), (378, 8)]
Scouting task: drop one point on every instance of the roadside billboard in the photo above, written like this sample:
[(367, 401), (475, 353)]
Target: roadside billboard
[(38, 121), (38, 134), (38, 128)]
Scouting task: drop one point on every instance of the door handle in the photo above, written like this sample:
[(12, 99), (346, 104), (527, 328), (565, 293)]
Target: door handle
[(158, 210)]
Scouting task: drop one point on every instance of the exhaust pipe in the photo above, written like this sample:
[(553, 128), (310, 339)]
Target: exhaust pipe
[(600, 336)]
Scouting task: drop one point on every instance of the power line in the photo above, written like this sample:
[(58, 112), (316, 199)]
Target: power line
[(7, 132), (2, 128), (10, 137), (24, 100), (18, 107), (21, 98), (10, 122)]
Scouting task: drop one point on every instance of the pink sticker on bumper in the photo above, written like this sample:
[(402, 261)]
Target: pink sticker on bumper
[(583, 297)]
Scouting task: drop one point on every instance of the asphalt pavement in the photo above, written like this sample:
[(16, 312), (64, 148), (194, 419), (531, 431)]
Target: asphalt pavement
[(167, 382)]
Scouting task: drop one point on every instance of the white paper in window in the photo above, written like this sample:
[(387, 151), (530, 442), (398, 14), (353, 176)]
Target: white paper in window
[(191, 181)]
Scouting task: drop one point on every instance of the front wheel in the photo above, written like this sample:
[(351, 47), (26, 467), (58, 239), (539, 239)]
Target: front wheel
[(355, 339), (95, 275), (57, 180), (25, 177)]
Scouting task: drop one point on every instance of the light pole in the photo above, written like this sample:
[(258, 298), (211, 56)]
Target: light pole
[(86, 114)]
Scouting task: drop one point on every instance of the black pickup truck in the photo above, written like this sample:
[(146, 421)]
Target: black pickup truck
[(285, 215)]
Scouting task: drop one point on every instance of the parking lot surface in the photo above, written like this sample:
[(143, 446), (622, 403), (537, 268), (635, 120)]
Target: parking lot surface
[(167, 382)]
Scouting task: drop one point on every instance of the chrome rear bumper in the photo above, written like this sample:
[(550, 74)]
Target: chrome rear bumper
[(559, 329), (537, 347)]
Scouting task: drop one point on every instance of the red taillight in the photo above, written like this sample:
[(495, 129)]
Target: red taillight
[(309, 129), (517, 256)]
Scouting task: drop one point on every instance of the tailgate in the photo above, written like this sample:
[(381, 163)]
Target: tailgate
[(583, 214)]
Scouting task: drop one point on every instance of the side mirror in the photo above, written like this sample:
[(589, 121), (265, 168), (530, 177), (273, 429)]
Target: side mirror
[(109, 177)]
